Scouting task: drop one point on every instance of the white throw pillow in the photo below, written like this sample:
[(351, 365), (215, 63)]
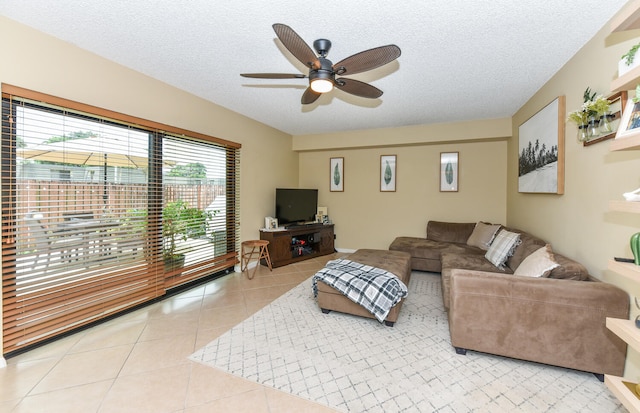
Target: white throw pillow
[(502, 247), (482, 235), (538, 264)]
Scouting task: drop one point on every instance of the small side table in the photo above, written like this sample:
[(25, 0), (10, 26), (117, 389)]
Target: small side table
[(248, 249)]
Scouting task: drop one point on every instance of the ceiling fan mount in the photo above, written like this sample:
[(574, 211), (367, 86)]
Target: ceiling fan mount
[(322, 47), (322, 72)]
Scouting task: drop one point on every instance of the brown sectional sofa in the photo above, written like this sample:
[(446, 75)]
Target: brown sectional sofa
[(558, 319)]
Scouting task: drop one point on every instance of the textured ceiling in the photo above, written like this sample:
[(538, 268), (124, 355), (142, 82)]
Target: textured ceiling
[(461, 59)]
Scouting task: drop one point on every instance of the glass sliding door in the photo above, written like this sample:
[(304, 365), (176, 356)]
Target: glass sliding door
[(102, 212)]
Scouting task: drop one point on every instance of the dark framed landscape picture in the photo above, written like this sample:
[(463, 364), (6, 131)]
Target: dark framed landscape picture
[(388, 173), (336, 175), (541, 150), (449, 171)]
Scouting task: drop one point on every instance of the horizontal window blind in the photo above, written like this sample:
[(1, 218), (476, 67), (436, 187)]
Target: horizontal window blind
[(198, 220), (93, 205)]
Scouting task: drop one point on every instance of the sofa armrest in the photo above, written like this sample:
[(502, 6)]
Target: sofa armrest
[(551, 321)]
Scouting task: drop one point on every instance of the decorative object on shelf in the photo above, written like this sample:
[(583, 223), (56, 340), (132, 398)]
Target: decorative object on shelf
[(630, 121), (541, 147), (628, 60), (582, 133), (633, 387), (610, 118), (593, 128), (605, 123), (322, 216), (449, 171), (592, 116), (270, 223), (336, 175), (388, 173), (633, 196), (634, 243)]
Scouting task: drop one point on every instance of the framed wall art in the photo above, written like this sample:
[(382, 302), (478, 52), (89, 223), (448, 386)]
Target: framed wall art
[(541, 150), (630, 121), (449, 171), (336, 175), (388, 173)]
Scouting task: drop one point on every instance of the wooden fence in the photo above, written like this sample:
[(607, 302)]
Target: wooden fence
[(53, 198)]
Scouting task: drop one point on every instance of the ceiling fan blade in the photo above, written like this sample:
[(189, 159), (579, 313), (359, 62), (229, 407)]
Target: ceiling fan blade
[(367, 60), (309, 96), (296, 45), (358, 88), (274, 75)]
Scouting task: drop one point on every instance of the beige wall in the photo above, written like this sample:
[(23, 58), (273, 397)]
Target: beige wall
[(364, 217), (579, 223), (39, 62)]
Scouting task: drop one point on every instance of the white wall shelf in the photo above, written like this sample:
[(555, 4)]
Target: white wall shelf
[(625, 206), (625, 144), (628, 18)]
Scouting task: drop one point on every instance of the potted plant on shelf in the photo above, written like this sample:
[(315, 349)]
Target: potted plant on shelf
[(179, 221), (594, 111), (628, 60)]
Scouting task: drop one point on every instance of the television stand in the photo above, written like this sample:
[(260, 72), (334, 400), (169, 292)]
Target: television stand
[(298, 243)]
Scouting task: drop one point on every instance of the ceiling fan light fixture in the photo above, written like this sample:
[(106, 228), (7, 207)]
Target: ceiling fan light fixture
[(321, 85), (321, 81)]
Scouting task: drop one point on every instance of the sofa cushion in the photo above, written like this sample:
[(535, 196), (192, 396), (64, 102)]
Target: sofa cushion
[(502, 247), (538, 264), (528, 244), (482, 235), (453, 261), (569, 269), (429, 249), (449, 231)]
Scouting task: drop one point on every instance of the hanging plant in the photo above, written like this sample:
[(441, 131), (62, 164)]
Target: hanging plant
[(592, 106)]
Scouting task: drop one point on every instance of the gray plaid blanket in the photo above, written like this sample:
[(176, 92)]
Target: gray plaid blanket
[(375, 289)]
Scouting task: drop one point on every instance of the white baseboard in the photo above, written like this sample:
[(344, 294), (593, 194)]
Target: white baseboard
[(3, 363), (346, 251)]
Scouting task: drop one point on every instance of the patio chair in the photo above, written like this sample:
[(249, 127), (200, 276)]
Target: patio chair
[(47, 243)]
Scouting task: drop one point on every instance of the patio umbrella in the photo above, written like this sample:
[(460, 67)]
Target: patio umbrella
[(96, 151)]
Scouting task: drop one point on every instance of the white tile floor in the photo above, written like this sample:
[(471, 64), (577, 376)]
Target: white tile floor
[(138, 362)]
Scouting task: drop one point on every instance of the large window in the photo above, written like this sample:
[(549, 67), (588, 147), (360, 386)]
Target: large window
[(102, 212)]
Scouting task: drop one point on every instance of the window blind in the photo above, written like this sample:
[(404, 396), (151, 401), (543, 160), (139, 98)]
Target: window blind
[(93, 205)]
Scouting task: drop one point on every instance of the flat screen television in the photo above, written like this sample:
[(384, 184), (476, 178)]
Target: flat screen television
[(296, 206)]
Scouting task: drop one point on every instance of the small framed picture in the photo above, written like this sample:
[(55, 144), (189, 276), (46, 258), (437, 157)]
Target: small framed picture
[(336, 174), (388, 173), (270, 223), (448, 171), (630, 121)]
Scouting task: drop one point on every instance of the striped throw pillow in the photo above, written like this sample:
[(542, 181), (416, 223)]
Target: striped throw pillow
[(502, 247)]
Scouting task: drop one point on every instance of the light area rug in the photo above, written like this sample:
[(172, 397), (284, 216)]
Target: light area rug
[(355, 364)]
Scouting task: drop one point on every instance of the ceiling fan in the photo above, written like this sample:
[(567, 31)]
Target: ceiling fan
[(322, 72)]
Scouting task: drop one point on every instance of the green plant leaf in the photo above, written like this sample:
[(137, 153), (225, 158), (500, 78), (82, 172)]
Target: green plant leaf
[(336, 175), (387, 173), (448, 173)]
